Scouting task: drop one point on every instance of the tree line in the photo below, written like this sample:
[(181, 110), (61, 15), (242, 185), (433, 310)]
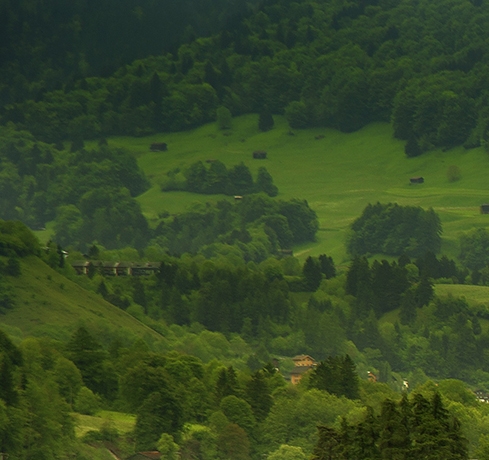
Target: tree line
[(217, 179), (373, 66)]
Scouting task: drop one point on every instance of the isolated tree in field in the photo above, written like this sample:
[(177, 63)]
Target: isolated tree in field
[(265, 120), (264, 182), (224, 117)]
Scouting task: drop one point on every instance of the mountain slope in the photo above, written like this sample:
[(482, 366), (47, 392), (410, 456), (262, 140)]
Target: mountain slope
[(48, 304)]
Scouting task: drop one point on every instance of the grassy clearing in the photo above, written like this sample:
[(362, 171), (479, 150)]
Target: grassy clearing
[(49, 304), (123, 423), (338, 175), (474, 295)]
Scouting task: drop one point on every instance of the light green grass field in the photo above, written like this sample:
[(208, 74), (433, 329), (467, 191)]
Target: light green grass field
[(474, 295), (338, 175), (47, 304), (123, 423)]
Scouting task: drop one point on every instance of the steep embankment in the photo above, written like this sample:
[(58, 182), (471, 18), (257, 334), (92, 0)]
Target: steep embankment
[(48, 304)]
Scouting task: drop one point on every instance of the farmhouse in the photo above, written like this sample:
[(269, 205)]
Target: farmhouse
[(416, 180), (158, 147), (259, 155), (303, 364), (81, 266), (110, 268), (146, 269), (485, 208)]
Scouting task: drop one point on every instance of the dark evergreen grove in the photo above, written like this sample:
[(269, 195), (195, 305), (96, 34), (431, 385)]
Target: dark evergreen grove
[(395, 230), (414, 427), (321, 64), (227, 295)]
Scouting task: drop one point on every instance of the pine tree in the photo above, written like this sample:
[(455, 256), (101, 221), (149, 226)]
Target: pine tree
[(349, 378), (259, 396), (328, 445), (407, 313), (227, 383), (424, 292), (327, 266), (312, 274), (265, 120), (264, 182)]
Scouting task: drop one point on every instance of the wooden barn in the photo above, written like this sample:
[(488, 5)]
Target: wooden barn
[(416, 180), (259, 155)]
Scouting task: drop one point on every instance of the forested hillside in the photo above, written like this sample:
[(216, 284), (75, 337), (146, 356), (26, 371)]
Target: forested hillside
[(421, 64), (224, 312)]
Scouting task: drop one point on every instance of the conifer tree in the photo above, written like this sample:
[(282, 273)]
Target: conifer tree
[(407, 313), (349, 378), (265, 120), (327, 266), (312, 274), (258, 395)]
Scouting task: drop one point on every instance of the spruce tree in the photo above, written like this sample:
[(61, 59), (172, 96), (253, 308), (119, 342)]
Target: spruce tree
[(327, 266), (312, 274), (259, 396), (265, 120), (349, 378)]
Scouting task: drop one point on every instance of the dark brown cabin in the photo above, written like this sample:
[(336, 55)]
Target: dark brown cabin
[(158, 147), (259, 155), (485, 208), (416, 180)]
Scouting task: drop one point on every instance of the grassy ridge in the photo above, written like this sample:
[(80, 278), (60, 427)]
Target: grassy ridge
[(338, 175), (49, 304)]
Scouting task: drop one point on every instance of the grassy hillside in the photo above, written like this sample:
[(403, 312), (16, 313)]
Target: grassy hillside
[(338, 175), (47, 304)]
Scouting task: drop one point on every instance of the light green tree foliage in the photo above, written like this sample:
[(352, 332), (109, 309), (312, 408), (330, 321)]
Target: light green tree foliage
[(167, 447), (286, 452), (238, 411), (295, 415), (482, 451), (68, 378), (87, 402), (199, 441), (474, 249), (68, 224)]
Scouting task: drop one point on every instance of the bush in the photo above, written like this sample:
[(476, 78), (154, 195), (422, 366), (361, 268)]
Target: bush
[(86, 402)]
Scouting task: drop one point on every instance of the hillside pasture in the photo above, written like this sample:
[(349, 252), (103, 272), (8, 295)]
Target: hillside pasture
[(338, 174)]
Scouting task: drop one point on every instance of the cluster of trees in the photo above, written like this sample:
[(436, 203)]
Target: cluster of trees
[(414, 427), (36, 421), (207, 410), (336, 375), (394, 230), (89, 193), (253, 228), (217, 179), (69, 41), (419, 64)]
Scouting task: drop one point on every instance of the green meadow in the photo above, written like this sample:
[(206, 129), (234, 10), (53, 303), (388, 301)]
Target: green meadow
[(338, 174), (48, 304)]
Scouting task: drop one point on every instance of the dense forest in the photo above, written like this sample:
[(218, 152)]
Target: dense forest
[(420, 64), (397, 366)]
